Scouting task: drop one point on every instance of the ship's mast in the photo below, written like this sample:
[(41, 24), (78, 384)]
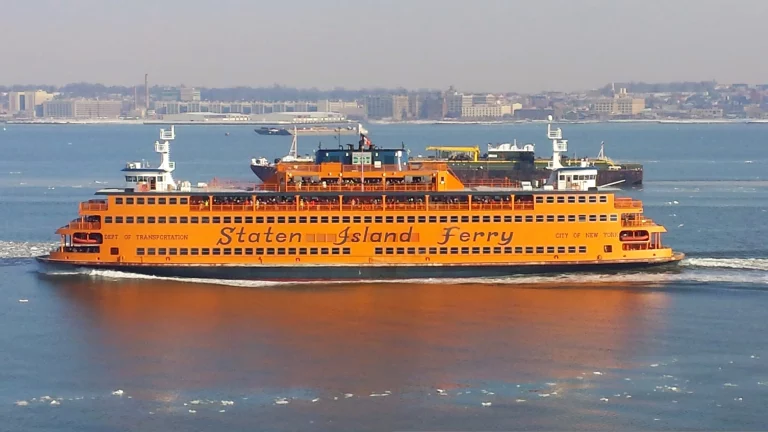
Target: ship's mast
[(559, 145), (601, 155), (294, 152), (164, 148)]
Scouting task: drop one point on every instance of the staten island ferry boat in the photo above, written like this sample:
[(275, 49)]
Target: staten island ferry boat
[(367, 214)]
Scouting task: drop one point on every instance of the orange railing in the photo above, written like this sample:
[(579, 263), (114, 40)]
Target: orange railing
[(491, 206), (637, 223), (332, 167), (523, 206), (83, 225), (231, 207), (277, 207), (493, 183), (441, 206), (626, 203), (89, 206), (346, 187)]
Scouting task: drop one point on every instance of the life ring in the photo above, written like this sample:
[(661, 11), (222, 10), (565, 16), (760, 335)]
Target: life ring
[(557, 257), (298, 259), (599, 257)]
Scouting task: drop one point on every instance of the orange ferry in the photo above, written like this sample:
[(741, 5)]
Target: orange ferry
[(363, 213)]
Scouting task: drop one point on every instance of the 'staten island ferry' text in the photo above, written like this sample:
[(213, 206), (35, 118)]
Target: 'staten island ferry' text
[(362, 213)]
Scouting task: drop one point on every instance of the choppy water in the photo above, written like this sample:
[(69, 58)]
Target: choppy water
[(662, 350)]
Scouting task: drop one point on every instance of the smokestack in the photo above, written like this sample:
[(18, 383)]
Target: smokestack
[(146, 90), (135, 102)]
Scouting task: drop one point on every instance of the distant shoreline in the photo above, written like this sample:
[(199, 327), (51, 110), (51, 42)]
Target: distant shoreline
[(382, 122)]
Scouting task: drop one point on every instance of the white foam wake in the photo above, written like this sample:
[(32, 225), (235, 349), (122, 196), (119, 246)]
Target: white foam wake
[(11, 249), (728, 263)]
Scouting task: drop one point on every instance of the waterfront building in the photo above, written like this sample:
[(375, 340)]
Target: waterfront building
[(27, 103), (82, 108)]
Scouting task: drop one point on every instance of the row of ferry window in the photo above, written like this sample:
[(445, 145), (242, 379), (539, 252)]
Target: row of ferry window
[(560, 199), (481, 250), (377, 251), (358, 219)]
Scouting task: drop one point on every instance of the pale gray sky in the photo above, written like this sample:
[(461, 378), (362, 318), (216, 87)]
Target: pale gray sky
[(477, 45)]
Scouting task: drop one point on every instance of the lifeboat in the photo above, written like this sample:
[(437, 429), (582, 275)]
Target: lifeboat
[(87, 238), (634, 236)]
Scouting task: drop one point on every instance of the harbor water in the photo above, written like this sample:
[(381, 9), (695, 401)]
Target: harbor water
[(671, 349)]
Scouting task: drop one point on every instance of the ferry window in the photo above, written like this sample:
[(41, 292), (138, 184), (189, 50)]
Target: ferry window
[(390, 219), (161, 219), (443, 250), (582, 199), (454, 219), (118, 200), (313, 219), (368, 219), (140, 251), (592, 199), (422, 251), (561, 218), (291, 220), (433, 219), (582, 218), (249, 251), (150, 219), (205, 251), (433, 251), (607, 248), (150, 200), (108, 219), (486, 219), (194, 219), (593, 218), (497, 218), (227, 251), (582, 249), (183, 200), (571, 249), (346, 251), (162, 201), (335, 251), (400, 219), (550, 249), (411, 219), (281, 251), (508, 250), (161, 251), (150, 251), (270, 251), (497, 250), (454, 250), (539, 218), (183, 251), (465, 250), (259, 219), (614, 218), (118, 219), (139, 219), (216, 219), (227, 219), (560, 199), (249, 219), (422, 219), (561, 249), (323, 219), (529, 218), (172, 251), (411, 251), (390, 251), (443, 219), (238, 219), (603, 218), (357, 219), (259, 251), (271, 220), (302, 251), (603, 199), (474, 219), (324, 251), (205, 220), (377, 251), (194, 251), (475, 250), (550, 199), (571, 199), (171, 200), (539, 249), (291, 251), (518, 249), (571, 218), (529, 249), (173, 219), (486, 250), (550, 218), (539, 200), (335, 219), (216, 251), (507, 218), (378, 219), (139, 200), (129, 200), (518, 218), (129, 219), (313, 251)]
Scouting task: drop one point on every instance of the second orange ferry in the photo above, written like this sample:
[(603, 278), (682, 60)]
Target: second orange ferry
[(363, 213)]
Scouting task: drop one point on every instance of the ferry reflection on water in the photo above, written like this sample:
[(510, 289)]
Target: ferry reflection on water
[(164, 336)]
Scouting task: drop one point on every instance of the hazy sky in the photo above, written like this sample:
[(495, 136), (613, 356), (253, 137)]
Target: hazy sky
[(476, 45)]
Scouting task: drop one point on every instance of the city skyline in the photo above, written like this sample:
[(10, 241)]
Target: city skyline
[(489, 46)]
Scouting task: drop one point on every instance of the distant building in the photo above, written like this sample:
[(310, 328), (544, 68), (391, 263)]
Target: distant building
[(27, 103), (400, 108), (82, 109), (536, 114), (621, 104), (706, 113), (379, 106), (432, 106), (189, 94), (456, 102), (486, 111)]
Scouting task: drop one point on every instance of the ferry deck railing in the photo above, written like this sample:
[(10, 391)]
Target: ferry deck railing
[(90, 206)]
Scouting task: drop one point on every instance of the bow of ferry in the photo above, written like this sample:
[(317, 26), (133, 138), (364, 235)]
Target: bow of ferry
[(365, 213)]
